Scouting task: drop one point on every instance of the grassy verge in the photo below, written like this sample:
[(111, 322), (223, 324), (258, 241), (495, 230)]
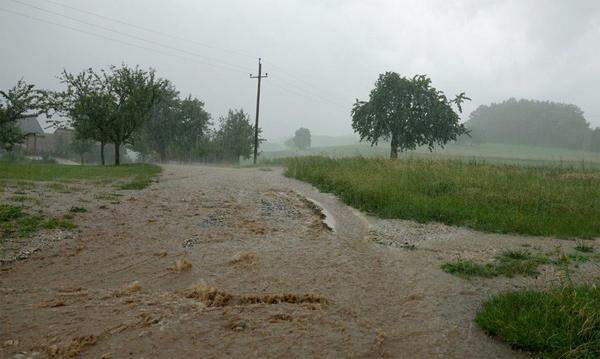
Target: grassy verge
[(494, 198), (137, 176), (558, 323)]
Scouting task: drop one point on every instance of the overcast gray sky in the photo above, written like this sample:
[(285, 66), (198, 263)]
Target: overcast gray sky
[(320, 55)]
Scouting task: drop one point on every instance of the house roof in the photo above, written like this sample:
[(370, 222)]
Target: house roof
[(30, 125)]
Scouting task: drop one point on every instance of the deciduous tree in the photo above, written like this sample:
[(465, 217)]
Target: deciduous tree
[(133, 92), (19, 102), (302, 138), (193, 129), (87, 105), (235, 137), (158, 133), (408, 112)]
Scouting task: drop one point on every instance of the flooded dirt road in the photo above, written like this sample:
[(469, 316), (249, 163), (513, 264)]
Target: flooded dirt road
[(221, 262)]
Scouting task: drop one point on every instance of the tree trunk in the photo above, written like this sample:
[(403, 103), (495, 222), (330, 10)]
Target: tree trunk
[(102, 153), (394, 148), (162, 154), (117, 154)]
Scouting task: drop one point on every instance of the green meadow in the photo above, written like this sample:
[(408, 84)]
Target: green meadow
[(531, 200)]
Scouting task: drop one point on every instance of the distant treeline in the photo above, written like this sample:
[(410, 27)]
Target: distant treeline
[(534, 123)]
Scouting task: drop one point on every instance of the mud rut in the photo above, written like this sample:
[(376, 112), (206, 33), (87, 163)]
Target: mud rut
[(213, 262)]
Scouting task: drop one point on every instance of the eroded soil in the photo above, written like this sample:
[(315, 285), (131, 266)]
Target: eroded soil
[(219, 262)]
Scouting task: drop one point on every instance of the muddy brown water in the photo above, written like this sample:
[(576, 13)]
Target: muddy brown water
[(119, 286)]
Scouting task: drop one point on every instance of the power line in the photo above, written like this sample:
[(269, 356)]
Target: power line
[(131, 36), (307, 92), (291, 75), (175, 37), (115, 40), (285, 72), (305, 95), (204, 62)]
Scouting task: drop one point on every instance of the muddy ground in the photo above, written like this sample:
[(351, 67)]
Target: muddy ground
[(219, 262)]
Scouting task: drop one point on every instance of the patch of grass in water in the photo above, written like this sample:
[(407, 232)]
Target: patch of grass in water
[(518, 262), (467, 268), (9, 212), (570, 258), (517, 254), (75, 209), (582, 247), (558, 323), (15, 222), (509, 264), (576, 257), (137, 183), (108, 196), (55, 223), (23, 226), (22, 198), (59, 187)]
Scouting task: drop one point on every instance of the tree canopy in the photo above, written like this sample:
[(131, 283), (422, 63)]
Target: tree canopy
[(110, 105), (177, 128), (408, 112), (235, 137), (87, 106), (134, 92), (302, 138), (19, 102), (531, 122)]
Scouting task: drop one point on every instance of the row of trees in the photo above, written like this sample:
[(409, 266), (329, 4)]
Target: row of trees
[(132, 107)]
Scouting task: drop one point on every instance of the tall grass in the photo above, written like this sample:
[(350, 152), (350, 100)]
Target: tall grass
[(562, 322), (496, 198)]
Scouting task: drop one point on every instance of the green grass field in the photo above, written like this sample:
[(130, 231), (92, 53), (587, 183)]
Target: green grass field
[(546, 201), (559, 323), (31, 171)]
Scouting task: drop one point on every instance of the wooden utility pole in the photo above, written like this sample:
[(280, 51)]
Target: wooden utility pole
[(259, 77)]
